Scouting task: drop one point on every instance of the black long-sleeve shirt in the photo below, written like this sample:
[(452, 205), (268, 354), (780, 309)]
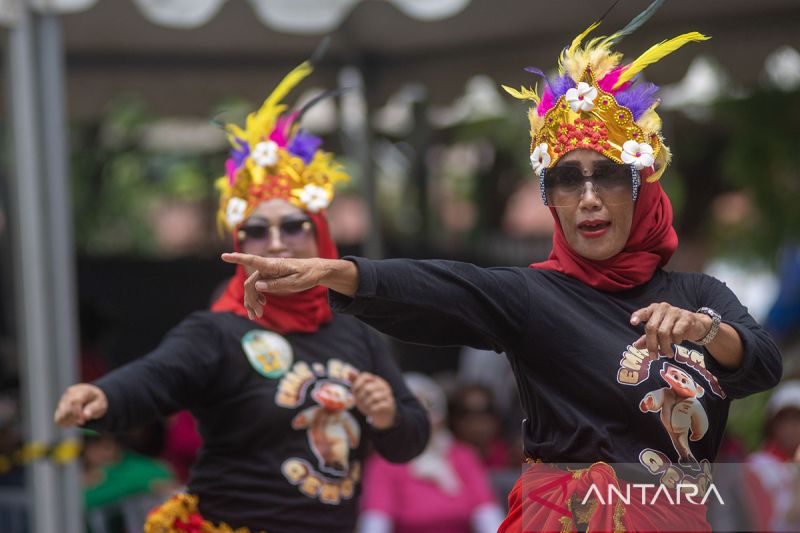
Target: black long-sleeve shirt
[(283, 443), (588, 395)]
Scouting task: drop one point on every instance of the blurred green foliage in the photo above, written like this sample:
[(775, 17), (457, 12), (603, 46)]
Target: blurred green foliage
[(116, 182), (746, 419), (762, 157)]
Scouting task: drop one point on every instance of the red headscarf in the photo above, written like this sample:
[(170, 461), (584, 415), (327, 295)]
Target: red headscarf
[(651, 243), (303, 312)]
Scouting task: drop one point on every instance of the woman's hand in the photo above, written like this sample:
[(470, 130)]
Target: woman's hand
[(288, 275), (666, 324), (375, 400), (79, 404)]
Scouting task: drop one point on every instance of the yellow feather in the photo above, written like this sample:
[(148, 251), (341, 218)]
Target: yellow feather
[(535, 121), (575, 65), (596, 54), (221, 184), (235, 130), (522, 94), (606, 42), (234, 133), (603, 61), (576, 42), (258, 125), (657, 52), (288, 83), (263, 120), (650, 122), (661, 163)]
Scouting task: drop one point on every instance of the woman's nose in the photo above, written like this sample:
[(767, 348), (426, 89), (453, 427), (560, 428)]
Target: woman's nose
[(274, 238), (589, 191)]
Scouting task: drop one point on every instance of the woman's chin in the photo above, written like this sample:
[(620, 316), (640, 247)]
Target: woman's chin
[(596, 252)]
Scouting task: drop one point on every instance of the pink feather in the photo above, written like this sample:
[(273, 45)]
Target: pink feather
[(546, 103), (230, 170), (608, 81), (280, 133)]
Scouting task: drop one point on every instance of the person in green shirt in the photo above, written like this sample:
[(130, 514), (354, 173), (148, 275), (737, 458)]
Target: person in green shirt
[(112, 474)]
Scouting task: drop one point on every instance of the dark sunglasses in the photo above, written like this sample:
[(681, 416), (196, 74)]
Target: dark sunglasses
[(290, 230), (563, 186)]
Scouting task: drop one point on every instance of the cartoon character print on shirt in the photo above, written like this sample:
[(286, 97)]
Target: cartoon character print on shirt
[(681, 411), (331, 430), (678, 405)]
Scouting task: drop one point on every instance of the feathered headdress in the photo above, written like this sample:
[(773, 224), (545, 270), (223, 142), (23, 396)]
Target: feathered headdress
[(271, 157), (597, 102)]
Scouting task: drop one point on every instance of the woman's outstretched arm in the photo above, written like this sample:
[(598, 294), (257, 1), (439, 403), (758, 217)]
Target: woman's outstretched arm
[(289, 275), (429, 302)]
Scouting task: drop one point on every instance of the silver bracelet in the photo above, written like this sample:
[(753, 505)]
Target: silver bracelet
[(716, 320)]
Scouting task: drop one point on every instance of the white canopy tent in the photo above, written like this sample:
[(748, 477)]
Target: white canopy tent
[(221, 48)]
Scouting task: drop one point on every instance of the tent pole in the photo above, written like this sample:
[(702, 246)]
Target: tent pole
[(61, 261), (30, 270)]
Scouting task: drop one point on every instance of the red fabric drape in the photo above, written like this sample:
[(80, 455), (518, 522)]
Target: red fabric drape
[(651, 243)]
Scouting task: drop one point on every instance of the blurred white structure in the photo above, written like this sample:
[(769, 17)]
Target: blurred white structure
[(782, 68)]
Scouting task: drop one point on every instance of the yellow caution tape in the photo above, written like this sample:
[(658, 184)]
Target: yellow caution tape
[(61, 453), (66, 451)]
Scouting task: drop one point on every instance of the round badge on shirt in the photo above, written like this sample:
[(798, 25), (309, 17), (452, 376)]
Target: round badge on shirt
[(269, 353)]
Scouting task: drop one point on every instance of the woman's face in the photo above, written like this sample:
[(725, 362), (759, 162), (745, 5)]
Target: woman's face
[(785, 430), (277, 228), (593, 229)]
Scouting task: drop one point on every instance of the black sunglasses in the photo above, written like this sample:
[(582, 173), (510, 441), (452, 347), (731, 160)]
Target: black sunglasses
[(259, 229), (563, 186)]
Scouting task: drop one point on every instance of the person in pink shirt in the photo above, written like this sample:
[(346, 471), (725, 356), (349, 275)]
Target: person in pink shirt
[(474, 420), (772, 476), (444, 490)]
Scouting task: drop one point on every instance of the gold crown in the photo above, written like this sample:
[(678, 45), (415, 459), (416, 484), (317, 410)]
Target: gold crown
[(594, 120), (598, 104), (272, 158)]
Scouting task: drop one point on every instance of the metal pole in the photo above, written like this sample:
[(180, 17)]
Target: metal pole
[(61, 262), (358, 130), (30, 270), (418, 139)]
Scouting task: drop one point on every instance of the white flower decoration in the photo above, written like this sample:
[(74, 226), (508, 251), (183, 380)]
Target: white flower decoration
[(640, 155), (315, 198), (582, 97), (265, 154), (235, 211), (540, 158)]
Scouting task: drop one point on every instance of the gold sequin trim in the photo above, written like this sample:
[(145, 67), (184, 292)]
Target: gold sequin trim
[(182, 507), (618, 512), (567, 525), (583, 513)]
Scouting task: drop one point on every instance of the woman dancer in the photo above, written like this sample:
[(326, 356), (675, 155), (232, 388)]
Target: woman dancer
[(616, 359), (285, 402)]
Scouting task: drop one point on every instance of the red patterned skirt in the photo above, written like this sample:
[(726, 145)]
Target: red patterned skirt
[(548, 499)]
